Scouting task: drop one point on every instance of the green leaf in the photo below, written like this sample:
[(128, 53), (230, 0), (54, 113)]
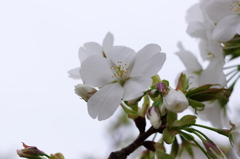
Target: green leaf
[(196, 105), (171, 117), (175, 148), (162, 155), (186, 120), (168, 136)]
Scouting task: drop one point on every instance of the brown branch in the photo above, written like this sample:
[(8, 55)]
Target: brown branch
[(123, 153)]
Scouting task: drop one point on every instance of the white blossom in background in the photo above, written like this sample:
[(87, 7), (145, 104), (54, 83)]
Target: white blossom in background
[(235, 138), (92, 48), (214, 74), (123, 74), (175, 101), (84, 91), (201, 27), (193, 67), (226, 14)]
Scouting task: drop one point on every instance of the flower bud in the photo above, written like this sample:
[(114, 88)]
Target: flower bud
[(56, 156), (84, 91), (213, 150), (30, 152), (153, 115), (235, 138), (175, 101), (161, 87)]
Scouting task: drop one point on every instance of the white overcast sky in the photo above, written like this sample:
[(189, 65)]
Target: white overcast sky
[(39, 42)]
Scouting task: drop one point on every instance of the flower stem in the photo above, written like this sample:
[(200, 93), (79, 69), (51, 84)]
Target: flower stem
[(219, 131)]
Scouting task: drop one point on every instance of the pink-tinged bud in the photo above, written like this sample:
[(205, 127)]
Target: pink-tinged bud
[(161, 87), (84, 91), (175, 101), (213, 150), (30, 152), (234, 137), (154, 116), (57, 156)]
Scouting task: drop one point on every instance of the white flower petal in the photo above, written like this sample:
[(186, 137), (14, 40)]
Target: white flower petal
[(74, 73), (213, 74), (105, 102), (122, 54), (83, 54), (148, 61), (95, 71), (226, 28), (194, 13), (197, 30), (107, 42), (134, 87), (94, 48), (218, 9), (189, 60)]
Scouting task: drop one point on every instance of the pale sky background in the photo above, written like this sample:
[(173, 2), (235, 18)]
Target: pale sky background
[(39, 42)]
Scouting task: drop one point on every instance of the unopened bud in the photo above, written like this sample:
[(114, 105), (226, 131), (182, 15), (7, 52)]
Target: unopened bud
[(161, 87), (153, 115), (57, 156), (175, 101), (84, 91), (30, 152), (213, 150)]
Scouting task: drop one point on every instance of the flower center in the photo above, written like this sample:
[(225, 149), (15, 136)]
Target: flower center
[(235, 6), (120, 72)]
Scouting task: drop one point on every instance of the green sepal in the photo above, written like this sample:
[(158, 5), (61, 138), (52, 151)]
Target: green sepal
[(145, 105), (131, 113), (198, 106), (171, 117), (168, 136), (206, 93), (166, 83), (175, 148), (155, 80), (182, 83), (158, 103), (186, 120)]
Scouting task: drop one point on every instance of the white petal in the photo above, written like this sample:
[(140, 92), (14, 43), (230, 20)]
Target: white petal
[(95, 71), (74, 73), (213, 74), (194, 13), (148, 61), (197, 30), (134, 87), (226, 28), (107, 42), (94, 48), (105, 102), (121, 54), (83, 54), (218, 9), (189, 60)]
